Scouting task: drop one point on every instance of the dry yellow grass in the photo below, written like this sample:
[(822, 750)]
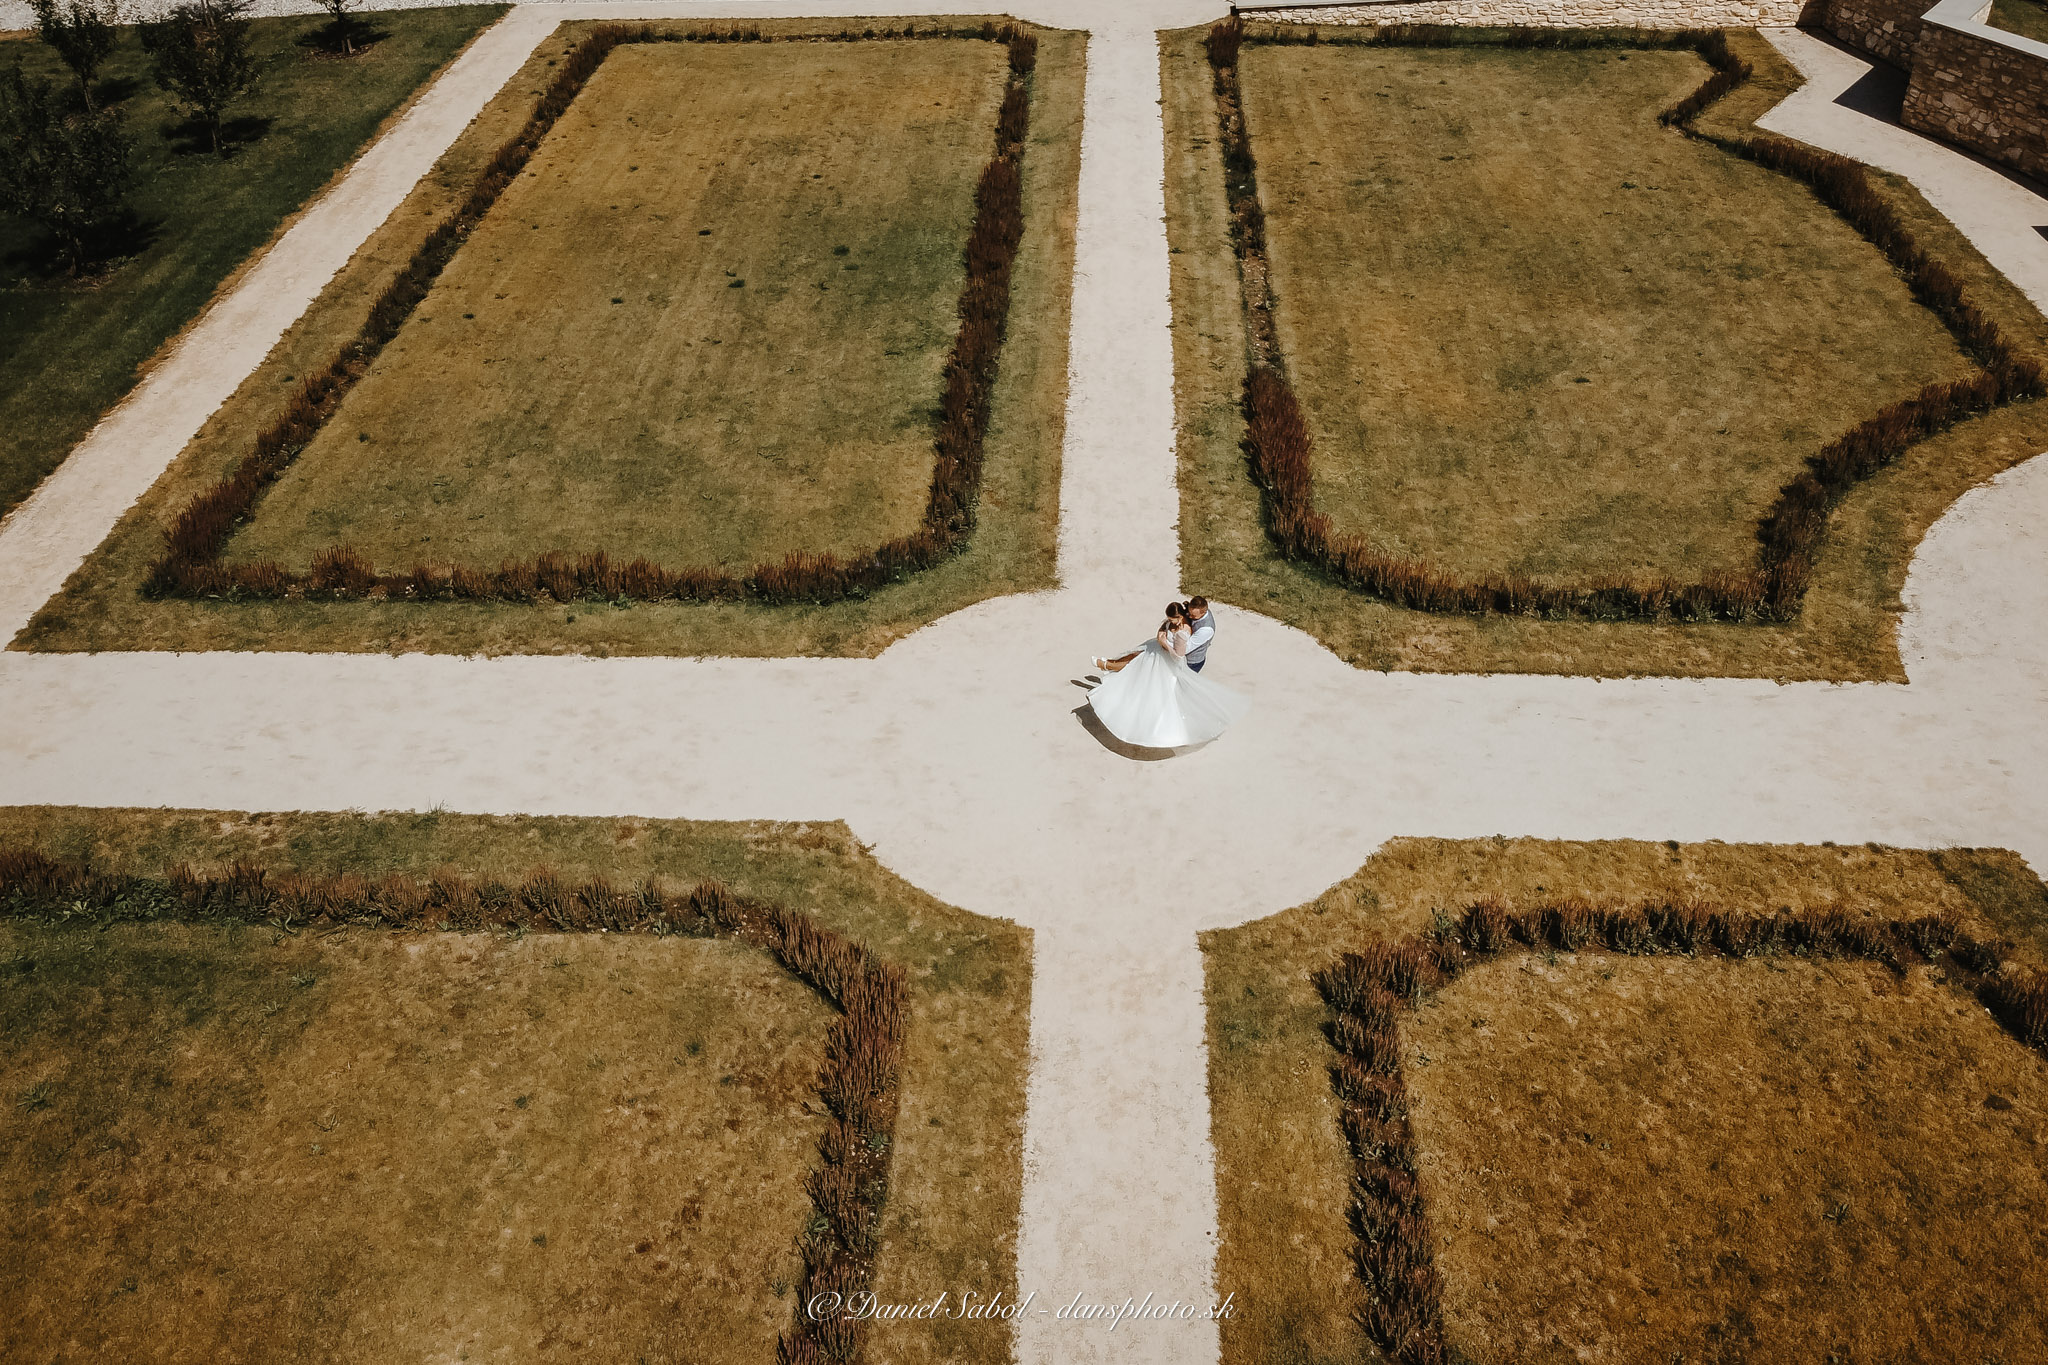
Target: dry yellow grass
[(1845, 630), (1283, 1172), (1013, 548), (1535, 332), (707, 331), (365, 1147), (379, 1002), (1632, 1159)]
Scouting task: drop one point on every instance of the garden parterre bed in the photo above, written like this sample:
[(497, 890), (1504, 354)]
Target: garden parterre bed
[(1767, 1159), (1534, 332), (1843, 627), (1288, 1243), (1012, 541), (273, 1028), (708, 330)]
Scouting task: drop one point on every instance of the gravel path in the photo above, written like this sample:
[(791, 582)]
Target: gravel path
[(960, 756)]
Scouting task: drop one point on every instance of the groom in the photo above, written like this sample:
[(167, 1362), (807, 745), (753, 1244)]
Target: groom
[(1204, 622)]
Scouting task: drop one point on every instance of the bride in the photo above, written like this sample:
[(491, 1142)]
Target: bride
[(1151, 698)]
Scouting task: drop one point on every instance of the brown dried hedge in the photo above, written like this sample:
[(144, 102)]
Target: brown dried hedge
[(191, 564), (1280, 450), (858, 1083), (1366, 991)]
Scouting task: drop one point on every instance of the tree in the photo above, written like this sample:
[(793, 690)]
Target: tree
[(65, 171), (343, 29), (82, 31), (201, 51)]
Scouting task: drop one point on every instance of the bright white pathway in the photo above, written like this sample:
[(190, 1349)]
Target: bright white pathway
[(959, 756)]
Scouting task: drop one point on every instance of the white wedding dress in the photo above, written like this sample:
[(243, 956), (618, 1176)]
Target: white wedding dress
[(1157, 702)]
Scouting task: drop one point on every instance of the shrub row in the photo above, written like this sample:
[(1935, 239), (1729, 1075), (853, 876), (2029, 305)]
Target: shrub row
[(858, 1082), (191, 564), (1280, 449), (1366, 991)]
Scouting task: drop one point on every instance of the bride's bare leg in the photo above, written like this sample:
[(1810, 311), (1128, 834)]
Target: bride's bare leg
[(1116, 665)]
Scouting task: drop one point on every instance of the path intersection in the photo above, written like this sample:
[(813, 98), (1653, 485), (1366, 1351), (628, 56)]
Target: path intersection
[(958, 753)]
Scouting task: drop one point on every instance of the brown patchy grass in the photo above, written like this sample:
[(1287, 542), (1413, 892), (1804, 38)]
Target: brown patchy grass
[(1537, 333), (436, 1036), (1632, 1159), (593, 370), (371, 1146), (750, 417), (1282, 1169), (1847, 627)]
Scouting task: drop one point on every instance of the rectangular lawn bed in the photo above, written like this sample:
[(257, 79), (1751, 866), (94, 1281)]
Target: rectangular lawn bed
[(1763, 1160), (1537, 333), (244, 1146), (705, 326), (1593, 1115), (381, 1086), (983, 432), (1386, 290)]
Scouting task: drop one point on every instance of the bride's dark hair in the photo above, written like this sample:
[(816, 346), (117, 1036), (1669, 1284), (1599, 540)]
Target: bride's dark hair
[(1175, 611)]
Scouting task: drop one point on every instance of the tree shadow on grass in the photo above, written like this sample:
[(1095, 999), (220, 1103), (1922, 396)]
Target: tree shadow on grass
[(342, 40), (191, 137), (39, 262)]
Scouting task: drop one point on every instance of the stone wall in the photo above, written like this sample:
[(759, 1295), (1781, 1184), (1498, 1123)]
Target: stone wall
[(1883, 28), (1550, 13), (1982, 88)]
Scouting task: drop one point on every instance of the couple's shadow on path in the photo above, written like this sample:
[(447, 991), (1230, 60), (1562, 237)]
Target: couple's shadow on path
[(1092, 723)]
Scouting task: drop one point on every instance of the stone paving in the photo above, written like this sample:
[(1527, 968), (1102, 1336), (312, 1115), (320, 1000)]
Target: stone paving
[(959, 755)]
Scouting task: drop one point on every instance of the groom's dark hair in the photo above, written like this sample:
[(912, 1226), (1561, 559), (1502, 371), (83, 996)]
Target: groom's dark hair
[(1201, 602)]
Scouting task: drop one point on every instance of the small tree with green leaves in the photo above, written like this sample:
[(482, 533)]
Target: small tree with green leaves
[(66, 171), (346, 26), (82, 31), (202, 57)]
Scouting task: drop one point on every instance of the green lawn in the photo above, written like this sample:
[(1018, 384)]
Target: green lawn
[(69, 350)]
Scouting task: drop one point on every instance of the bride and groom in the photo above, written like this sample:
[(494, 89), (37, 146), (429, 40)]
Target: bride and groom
[(1154, 696)]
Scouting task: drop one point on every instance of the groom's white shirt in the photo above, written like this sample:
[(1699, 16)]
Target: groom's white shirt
[(1205, 630)]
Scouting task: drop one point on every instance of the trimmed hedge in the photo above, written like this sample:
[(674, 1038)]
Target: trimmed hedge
[(1280, 450), (1395, 1256), (191, 565), (858, 1083)]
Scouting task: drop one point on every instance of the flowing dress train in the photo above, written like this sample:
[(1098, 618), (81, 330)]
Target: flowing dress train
[(1157, 702)]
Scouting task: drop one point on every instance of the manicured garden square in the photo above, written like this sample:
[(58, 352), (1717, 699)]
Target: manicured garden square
[(246, 1146), (706, 326), (1627, 1155), (1423, 410), (1768, 1160), (750, 416), (526, 1121), (1534, 331)]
